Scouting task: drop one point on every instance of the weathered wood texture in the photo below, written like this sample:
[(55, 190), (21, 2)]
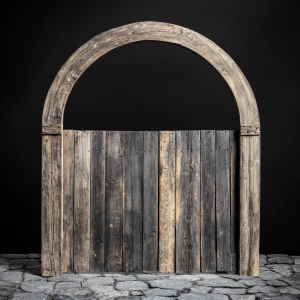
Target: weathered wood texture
[(208, 201), (224, 263), (68, 201), (51, 204), (150, 204), (249, 205), (82, 202), (98, 154), (114, 201), (167, 202)]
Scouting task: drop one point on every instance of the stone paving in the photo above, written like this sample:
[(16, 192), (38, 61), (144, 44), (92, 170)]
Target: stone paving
[(20, 280)]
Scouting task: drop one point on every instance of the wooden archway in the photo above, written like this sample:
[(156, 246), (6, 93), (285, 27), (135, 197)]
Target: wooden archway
[(52, 126)]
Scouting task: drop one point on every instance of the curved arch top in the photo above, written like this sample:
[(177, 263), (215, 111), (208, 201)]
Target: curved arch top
[(147, 31)]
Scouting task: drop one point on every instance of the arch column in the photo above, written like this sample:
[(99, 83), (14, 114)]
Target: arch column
[(52, 126)]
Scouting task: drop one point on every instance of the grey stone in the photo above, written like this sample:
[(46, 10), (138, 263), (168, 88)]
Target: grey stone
[(149, 277), (62, 297), (275, 297), (34, 255), (73, 294), (33, 270), (114, 274), (262, 259), (229, 291), (297, 287), (208, 276), (11, 276), (32, 277), (261, 289), (7, 289), (89, 275), (269, 275), (252, 282), (4, 265), (13, 256), (38, 286), (16, 267), (296, 268), (277, 255), (25, 261), (236, 277), (98, 281), (67, 285), (162, 292), (280, 260), (136, 293), (185, 277), (200, 289), (242, 297), (156, 298), (261, 269), (131, 286), (192, 296), (295, 256), (276, 283), (108, 292), (221, 282), (289, 290), (67, 277), (128, 298), (284, 270), (125, 278), (293, 279), (297, 261), (30, 296), (180, 285)]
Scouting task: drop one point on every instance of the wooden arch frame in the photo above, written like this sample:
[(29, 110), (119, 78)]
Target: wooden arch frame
[(52, 140)]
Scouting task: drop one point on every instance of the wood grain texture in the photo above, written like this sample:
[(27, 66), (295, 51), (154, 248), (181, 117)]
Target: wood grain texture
[(143, 31), (82, 202), (51, 205), (68, 201), (127, 202), (150, 204), (167, 202), (208, 201), (98, 154), (137, 200), (233, 197), (114, 202), (224, 263)]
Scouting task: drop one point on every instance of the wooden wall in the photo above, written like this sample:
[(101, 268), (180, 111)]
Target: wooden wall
[(147, 201)]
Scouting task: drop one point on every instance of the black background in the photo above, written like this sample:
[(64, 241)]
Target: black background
[(150, 85)]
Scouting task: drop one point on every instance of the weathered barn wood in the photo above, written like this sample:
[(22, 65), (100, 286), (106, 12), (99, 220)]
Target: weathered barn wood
[(53, 262)]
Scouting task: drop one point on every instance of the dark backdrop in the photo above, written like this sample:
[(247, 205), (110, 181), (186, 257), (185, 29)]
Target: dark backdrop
[(150, 85)]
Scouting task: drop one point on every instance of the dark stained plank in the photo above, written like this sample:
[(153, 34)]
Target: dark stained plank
[(98, 153), (68, 201), (195, 173), (82, 202), (182, 201), (233, 203), (127, 204), (113, 201), (223, 201), (208, 215), (167, 202), (150, 197), (137, 200), (51, 204)]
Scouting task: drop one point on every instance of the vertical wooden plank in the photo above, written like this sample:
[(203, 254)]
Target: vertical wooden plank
[(195, 232), (51, 204), (182, 201), (68, 200), (98, 147), (137, 200), (208, 216), (167, 202), (223, 201), (113, 202), (82, 201), (233, 190), (150, 207), (127, 204), (249, 205)]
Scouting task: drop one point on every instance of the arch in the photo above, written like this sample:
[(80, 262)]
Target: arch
[(52, 126)]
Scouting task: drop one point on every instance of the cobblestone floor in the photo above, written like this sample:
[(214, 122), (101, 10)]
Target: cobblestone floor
[(20, 280)]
